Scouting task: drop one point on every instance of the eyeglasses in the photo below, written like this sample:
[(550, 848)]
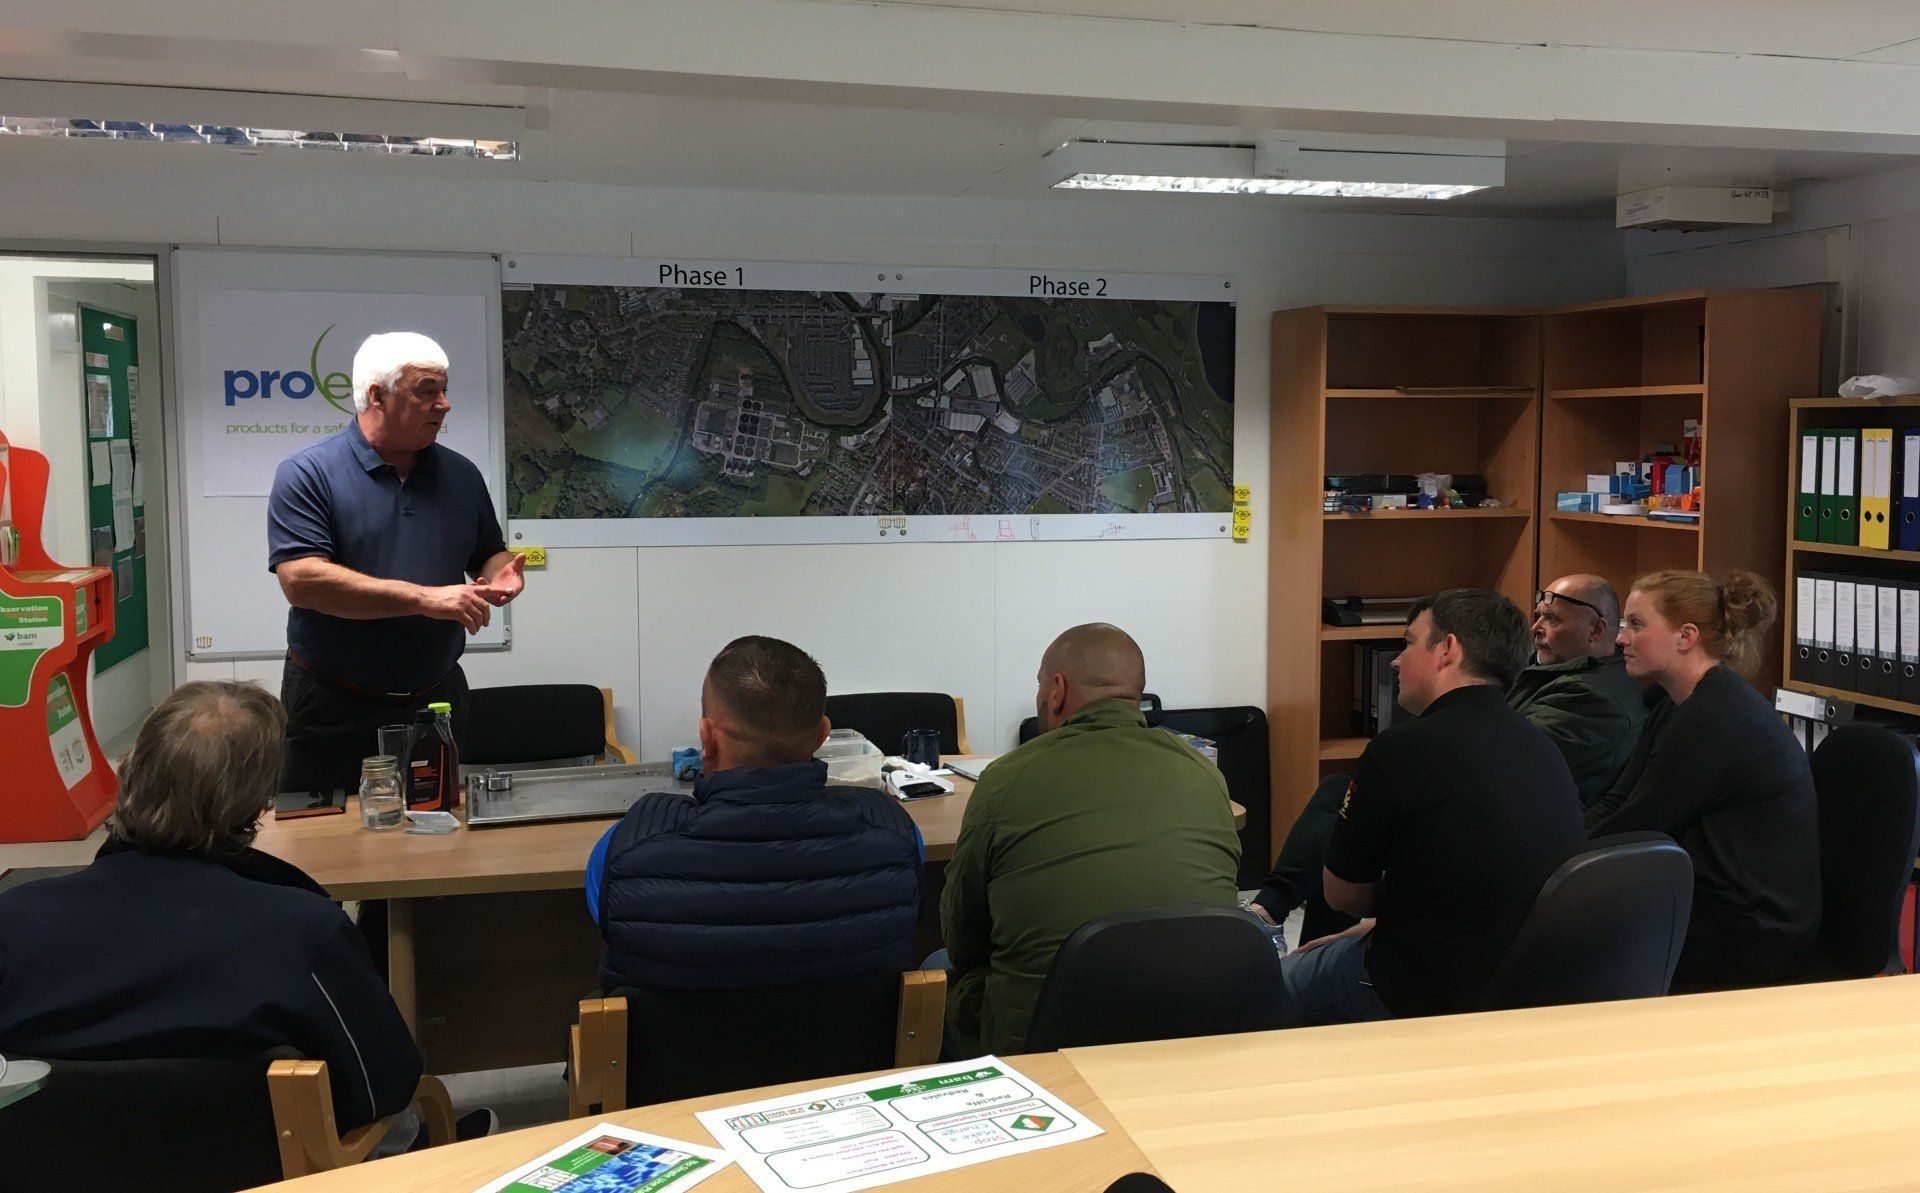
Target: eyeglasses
[(1547, 596)]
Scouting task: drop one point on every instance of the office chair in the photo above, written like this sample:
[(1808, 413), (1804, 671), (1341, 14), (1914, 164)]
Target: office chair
[(884, 717), (553, 723), (1159, 973), (638, 1046), (189, 1124), (1608, 924), (1867, 781)]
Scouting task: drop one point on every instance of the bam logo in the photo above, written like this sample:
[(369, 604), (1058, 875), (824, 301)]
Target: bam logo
[(336, 388)]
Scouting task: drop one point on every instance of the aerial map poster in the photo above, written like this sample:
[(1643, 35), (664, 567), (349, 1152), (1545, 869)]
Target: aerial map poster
[(655, 402)]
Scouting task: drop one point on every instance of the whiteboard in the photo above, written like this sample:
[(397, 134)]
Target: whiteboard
[(234, 607)]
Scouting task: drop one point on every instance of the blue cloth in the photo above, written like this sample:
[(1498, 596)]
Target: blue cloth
[(1324, 985), (338, 500), (766, 876)]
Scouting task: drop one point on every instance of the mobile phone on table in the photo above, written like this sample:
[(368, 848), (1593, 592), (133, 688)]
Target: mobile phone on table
[(319, 801)]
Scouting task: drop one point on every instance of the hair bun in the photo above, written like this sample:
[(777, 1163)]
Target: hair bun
[(1748, 602)]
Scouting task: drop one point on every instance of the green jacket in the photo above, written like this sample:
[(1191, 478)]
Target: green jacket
[(1591, 708), (1103, 814)]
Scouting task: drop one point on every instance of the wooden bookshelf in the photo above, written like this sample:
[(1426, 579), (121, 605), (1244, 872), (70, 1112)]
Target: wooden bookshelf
[(1535, 401), (1386, 389), (1623, 376), (1902, 415)]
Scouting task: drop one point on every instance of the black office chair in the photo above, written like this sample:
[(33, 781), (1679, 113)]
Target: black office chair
[(1159, 973), (193, 1125), (884, 717), (540, 723), (1867, 781), (638, 1046), (1608, 924)]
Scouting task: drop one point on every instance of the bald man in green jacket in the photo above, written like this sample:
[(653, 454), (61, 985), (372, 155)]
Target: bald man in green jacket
[(1577, 691), (1100, 813)]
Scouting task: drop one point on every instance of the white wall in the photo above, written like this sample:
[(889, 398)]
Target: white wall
[(646, 621), (1862, 236), (42, 406)]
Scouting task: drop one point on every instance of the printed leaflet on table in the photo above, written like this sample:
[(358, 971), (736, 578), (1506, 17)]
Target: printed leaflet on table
[(894, 1128), (610, 1159)]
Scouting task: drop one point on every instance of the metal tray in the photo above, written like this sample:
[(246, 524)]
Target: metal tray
[(564, 793)]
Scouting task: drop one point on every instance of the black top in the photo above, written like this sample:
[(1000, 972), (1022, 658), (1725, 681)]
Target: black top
[(338, 500), (1722, 775), (1460, 815), (142, 956)]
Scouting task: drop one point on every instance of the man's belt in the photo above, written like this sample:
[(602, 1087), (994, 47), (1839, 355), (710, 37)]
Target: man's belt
[(362, 689)]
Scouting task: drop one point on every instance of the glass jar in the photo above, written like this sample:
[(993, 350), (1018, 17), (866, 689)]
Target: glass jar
[(381, 805)]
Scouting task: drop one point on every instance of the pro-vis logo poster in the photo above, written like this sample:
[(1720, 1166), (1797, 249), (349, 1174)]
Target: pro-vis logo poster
[(276, 374)]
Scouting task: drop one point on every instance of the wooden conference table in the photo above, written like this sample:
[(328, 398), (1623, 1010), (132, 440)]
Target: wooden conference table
[(489, 947), (1798, 1087)]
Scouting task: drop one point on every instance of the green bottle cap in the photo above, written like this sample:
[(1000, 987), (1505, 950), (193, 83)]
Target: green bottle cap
[(440, 706)]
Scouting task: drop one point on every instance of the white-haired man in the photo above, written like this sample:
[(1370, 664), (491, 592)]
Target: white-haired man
[(389, 552)]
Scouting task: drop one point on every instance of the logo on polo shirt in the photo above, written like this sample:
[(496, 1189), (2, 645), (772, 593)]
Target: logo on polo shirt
[(335, 387)]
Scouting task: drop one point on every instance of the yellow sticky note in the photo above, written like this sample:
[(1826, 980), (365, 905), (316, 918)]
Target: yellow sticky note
[(1242, 524), (1242, 494), (533, 557)]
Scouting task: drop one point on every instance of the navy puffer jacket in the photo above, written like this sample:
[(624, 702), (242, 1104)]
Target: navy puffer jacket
[(766, 876)]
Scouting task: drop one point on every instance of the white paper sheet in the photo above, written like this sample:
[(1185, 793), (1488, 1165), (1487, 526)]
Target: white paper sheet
[(102, 461), (122, 524), (612, 1159), (120, 453), (887, 1129)]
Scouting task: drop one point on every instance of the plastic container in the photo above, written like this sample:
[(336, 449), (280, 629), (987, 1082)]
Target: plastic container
[(433, 761), (850, 758)]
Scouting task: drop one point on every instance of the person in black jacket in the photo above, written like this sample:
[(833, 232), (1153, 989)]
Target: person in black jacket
[(181, 940), (767, 876), (1717, 770)]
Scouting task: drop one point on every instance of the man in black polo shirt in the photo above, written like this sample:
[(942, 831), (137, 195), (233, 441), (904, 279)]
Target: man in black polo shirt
[(374, 534), (1451, 824)]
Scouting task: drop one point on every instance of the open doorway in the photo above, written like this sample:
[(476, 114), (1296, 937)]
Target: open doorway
[(80, 381)]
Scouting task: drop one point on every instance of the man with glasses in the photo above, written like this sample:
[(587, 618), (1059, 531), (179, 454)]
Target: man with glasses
[(1577, 691)]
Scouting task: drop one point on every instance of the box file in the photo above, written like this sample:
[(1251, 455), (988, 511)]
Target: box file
[(1844, 610), (1876, 486), (1806, 519), (1846, 488)]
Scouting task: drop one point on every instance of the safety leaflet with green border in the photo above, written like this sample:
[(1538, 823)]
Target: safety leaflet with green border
[(29, 628), (66, 734), (866, 1134)]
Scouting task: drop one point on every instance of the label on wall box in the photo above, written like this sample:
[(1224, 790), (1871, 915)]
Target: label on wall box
[(71, 757), (29, 628)]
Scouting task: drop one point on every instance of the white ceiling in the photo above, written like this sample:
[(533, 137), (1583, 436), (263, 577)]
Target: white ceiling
[(734, 134), (1833, 29)]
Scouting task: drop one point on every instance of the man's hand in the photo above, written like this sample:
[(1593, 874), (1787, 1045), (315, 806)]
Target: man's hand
[(1359, 929), (507, 583), (464, 603), (1265, 916)]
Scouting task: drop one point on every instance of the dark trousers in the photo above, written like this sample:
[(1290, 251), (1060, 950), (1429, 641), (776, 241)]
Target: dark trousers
[(1295, 878), (330, 728)]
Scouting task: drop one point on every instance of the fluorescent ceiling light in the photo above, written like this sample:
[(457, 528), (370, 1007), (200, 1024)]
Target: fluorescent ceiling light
[(1310, 164), (1263, 186), (239, 137)]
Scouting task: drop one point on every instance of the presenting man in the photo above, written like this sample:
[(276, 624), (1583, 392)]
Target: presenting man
[(1577, 690), (388, 550)]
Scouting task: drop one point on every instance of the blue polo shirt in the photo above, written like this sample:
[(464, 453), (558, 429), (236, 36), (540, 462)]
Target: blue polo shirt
[(339, 500)]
